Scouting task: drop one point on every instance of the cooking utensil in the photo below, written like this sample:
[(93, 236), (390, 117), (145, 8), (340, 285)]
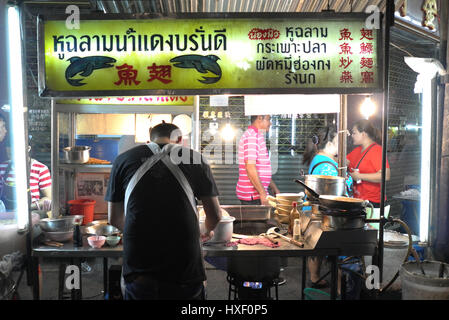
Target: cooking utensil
[(282, 218), (100, 230), (279, 200), (344, 222), (268, 237), (59, 236), (54, 244), (62, 223), (335, 202), (275, 231), (77, 154), (290, 196), (222, 232), (313, 193), (331, 185)]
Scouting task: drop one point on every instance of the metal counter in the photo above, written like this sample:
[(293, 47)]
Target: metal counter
[(318, 242)]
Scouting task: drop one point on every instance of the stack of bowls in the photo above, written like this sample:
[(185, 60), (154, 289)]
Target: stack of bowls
[(284, 205)]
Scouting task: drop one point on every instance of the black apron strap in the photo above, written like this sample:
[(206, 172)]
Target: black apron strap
[(358, 164)]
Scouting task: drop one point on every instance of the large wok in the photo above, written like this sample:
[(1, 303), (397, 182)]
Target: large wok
[(335, 202)]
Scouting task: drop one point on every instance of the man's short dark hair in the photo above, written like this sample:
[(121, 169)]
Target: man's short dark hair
[(253, 118), (163, 130)]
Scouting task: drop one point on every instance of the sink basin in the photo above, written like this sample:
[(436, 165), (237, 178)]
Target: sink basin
[(247, 213)]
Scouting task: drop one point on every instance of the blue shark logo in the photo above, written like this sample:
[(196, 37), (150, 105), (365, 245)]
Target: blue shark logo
[(202, 64), (85, 66)]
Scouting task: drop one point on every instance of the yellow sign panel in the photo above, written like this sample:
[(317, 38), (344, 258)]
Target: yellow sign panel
[(232, 55), (145, 100)]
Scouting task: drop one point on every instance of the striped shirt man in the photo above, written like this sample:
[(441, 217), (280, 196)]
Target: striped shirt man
[(39, 177), (252, 148)]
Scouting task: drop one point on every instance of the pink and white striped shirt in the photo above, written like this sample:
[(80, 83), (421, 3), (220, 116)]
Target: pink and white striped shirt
[(39, 177), (253, 148)]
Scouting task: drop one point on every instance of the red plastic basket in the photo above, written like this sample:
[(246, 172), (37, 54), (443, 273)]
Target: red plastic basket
[(84, 207)]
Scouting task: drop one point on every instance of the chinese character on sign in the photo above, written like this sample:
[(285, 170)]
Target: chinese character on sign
[(160, 73), (346, 77), (367, 34), (345, 62), (367, 77), (366, 48), (366, 62), (345, 48), (345, 35), (127, 75)]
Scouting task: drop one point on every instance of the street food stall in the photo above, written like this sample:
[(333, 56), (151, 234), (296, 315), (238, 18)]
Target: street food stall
[(141, 60)]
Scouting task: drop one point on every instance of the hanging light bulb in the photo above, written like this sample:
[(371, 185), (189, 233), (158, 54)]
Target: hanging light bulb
[(368, 108)]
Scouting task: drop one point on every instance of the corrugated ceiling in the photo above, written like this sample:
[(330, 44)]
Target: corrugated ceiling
[(177, 6), (173, 6)]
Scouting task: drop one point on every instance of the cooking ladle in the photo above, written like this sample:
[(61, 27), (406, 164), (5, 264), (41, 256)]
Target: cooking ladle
[(275, 231)]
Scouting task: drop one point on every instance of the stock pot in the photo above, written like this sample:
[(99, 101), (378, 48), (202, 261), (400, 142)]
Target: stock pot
[(329, 185)]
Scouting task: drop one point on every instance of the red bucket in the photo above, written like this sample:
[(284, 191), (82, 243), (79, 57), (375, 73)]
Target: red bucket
[(84, 207)]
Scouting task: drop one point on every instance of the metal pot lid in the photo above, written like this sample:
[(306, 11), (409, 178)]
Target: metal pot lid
[(330, 178)]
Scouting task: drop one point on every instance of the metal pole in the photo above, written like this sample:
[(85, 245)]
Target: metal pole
[(196, 124), (441, 219), (342, 136), (389, 21)]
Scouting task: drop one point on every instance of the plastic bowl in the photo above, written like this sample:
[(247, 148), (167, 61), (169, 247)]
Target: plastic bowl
[(96, 241), (112, 240)]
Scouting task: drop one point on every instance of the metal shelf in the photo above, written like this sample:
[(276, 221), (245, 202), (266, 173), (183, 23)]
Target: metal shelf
[(86, 167)]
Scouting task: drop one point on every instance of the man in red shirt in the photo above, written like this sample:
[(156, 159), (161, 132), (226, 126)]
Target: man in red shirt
[(365, 162)]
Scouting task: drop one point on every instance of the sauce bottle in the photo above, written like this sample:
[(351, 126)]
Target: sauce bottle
[(294, 214), (296, 230), (77, 237)]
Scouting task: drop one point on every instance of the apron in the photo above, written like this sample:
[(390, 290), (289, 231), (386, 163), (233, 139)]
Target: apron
[(164, 156)]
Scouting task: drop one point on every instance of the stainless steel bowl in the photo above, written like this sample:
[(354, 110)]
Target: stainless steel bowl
[(64, 223), (100, 230), (77, 154), (60, 236)]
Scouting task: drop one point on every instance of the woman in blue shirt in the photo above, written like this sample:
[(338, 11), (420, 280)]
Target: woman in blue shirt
[(320, 155)]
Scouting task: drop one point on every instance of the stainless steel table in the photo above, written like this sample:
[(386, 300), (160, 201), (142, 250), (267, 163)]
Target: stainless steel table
[(69, 254), (74, 255)]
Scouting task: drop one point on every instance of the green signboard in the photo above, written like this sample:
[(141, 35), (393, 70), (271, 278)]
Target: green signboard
[(112, 55)]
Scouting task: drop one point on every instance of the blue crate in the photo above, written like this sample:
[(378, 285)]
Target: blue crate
[(420, 251)]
